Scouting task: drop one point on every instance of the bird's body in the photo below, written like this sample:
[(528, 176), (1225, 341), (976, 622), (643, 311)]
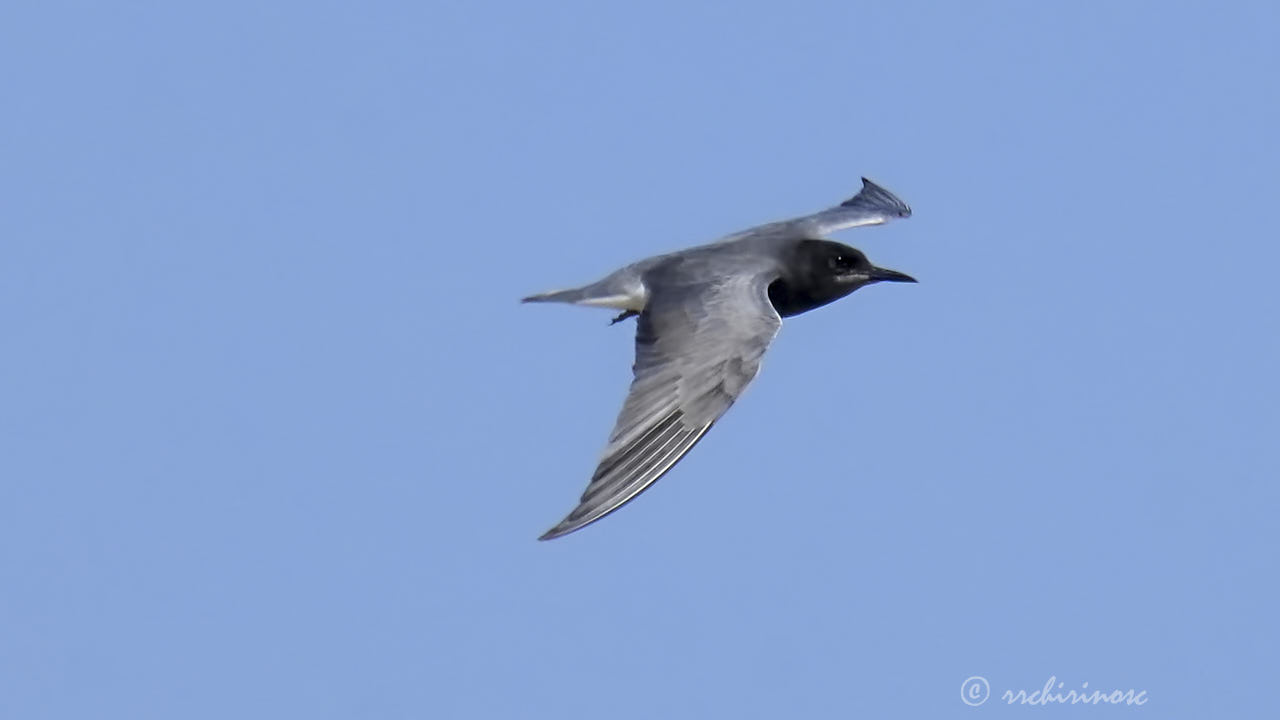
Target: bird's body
[(705, 317)]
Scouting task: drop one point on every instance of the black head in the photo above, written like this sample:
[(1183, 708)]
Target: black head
[(822, 271)]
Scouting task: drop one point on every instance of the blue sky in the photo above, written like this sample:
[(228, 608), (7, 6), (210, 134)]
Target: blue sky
[(276, 437)]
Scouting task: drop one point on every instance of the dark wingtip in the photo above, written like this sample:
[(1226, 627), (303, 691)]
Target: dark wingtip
[(554, 533), (874, 196)]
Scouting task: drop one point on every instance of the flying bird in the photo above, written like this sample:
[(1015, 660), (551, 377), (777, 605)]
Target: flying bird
[(705, 316)]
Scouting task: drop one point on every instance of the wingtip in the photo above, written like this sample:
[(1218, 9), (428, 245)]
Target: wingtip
[(873, 193), (555, 532), (574, 522)]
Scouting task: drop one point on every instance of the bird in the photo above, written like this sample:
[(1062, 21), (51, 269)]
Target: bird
[(704, 318)]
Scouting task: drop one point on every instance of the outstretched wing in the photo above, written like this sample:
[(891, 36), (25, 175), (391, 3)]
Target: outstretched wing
[(698, 344), (873, 205)]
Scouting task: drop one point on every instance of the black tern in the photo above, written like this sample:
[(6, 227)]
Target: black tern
[(705, 316)]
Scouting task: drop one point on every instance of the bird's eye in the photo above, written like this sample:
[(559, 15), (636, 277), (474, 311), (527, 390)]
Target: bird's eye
[(839, 262)]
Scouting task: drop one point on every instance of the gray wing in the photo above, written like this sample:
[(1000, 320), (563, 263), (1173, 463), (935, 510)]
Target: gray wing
[(698, 344), (873, 205)]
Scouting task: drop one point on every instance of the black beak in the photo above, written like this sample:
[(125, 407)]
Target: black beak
[(883, 275)]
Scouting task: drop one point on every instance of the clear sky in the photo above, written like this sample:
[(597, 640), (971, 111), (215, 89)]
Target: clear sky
[(276, 436)]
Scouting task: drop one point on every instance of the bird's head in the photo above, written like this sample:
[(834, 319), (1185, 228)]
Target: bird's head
[(822, 271), (846, 267)]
